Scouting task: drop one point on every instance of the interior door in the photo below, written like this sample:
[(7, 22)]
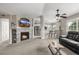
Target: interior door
[(5, 29)]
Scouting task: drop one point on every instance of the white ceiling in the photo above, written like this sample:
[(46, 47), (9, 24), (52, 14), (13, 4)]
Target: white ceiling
[(68, 8), (37, 9), (22, 9)]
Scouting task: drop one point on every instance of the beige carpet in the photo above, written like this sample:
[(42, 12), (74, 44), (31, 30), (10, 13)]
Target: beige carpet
[(27, 47)]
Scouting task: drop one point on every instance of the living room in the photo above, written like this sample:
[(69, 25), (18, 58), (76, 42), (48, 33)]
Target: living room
[(55, 23)]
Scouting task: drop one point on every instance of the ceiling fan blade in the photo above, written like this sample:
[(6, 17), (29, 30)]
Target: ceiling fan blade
[(63, 16)]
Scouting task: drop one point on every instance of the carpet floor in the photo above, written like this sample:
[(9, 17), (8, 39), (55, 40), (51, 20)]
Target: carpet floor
[(27, 47)]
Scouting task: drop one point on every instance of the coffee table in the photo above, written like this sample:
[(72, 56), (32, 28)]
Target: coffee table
[(55, 47)]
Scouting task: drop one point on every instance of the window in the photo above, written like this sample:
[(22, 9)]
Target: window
[(73, 26)]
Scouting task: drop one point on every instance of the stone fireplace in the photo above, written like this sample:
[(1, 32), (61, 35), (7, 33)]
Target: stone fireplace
[(24, 36), (24, 33)]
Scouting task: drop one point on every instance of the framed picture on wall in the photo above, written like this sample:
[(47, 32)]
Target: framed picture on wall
[(24, 22)]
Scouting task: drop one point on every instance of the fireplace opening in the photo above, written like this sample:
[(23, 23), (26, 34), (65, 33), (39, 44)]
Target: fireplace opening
[(24, 36)]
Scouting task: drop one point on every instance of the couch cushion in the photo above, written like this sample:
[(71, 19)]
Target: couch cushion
[(71, 41), (70, 36), (77, 38)]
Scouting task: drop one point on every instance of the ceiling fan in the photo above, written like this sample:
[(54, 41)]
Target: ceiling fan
[(64, 15)]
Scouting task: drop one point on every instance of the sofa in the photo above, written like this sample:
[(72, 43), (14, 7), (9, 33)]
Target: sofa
[(71, 41)]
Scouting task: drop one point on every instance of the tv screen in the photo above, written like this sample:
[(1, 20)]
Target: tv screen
[(24, 22)]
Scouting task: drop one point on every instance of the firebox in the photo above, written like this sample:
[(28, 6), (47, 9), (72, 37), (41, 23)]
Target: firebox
[(24, 36)]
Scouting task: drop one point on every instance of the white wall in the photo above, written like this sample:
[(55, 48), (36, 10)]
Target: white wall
[(42, 21)]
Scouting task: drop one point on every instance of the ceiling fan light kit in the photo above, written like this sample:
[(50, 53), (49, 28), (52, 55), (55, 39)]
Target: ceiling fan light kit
[(61, 15)]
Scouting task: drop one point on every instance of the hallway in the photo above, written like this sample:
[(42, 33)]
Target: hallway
[(28, 47)]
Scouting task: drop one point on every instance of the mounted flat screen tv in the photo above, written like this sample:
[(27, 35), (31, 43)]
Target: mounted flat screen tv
[(24, 22)]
